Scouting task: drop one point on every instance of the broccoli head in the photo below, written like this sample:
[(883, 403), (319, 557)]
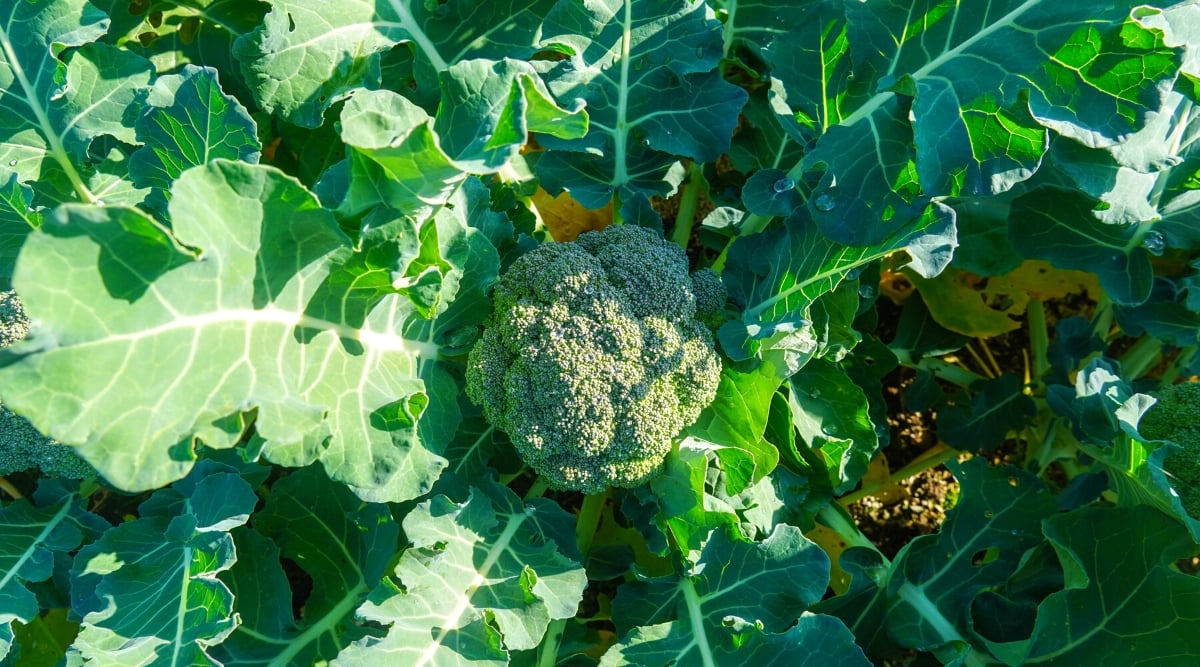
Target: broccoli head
[(1175, 417), (21, 445), (593, 359)]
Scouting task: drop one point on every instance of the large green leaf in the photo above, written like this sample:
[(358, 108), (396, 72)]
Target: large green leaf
[(1123, 602), (308, 55), (147, 590), (1057, 225), (49, 110), (342, 543), (926, 600), (480, 577), (778, 275), (736, 605), (33, 534), (982, 84), (173, 138), (271, 318), (647, 72), (830, 412)]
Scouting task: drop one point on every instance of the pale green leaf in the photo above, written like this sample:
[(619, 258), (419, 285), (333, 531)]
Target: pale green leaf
[(189, 121), (646, 72), (36, 102), (343, 544), (491, 560), (147, 590), (307, 55), (168, 348)]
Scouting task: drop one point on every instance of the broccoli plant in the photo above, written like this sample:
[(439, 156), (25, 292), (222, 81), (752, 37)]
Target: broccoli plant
[(596, 356)]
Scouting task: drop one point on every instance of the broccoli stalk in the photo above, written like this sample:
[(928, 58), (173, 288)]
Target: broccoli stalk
[(1175, 418), (21, 445), (596, 356)]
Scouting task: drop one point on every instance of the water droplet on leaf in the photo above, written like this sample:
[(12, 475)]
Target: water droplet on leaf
[(824, 203), (784, 184), (12, 163), (1154, 243), (866, 291)]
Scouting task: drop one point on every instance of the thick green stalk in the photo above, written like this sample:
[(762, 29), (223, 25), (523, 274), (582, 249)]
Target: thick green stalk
[(1141, 357), (833, 516), (1039, 341), (585, 530), (685, 218)]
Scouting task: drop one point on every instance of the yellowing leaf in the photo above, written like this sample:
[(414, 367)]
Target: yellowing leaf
[(980, 306), (567, 218)]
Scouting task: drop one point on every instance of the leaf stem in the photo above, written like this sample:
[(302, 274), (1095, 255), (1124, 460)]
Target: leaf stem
[(1141, 357), (547, 653), (585, 530), (7, 487), (589, 520), (696, 620), (1039, 341), (834, 517), (685, 218), (931, 458), (539, 486)]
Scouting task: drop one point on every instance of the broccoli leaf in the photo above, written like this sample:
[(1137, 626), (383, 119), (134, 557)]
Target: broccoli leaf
[(147, 590), (488, 573), (736, 604), (237, 325), (647, 73), (343, 544), (306, 56), (830, 412), (777, 275), (37, 139), (963, 73), (925, 601), (1122, 602), (174, 141), (33, 534)]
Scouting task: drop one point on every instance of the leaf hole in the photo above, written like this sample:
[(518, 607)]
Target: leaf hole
[(301, 584), (188, 29), (155, 18), (984, 556)]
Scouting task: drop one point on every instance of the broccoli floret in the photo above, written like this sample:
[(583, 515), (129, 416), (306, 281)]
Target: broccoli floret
[(1175, 417), (711, 296), (14, 325), (21, 445), (593, 360)]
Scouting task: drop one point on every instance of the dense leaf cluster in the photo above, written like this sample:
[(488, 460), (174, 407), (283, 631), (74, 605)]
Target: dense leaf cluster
[(268, 252)]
